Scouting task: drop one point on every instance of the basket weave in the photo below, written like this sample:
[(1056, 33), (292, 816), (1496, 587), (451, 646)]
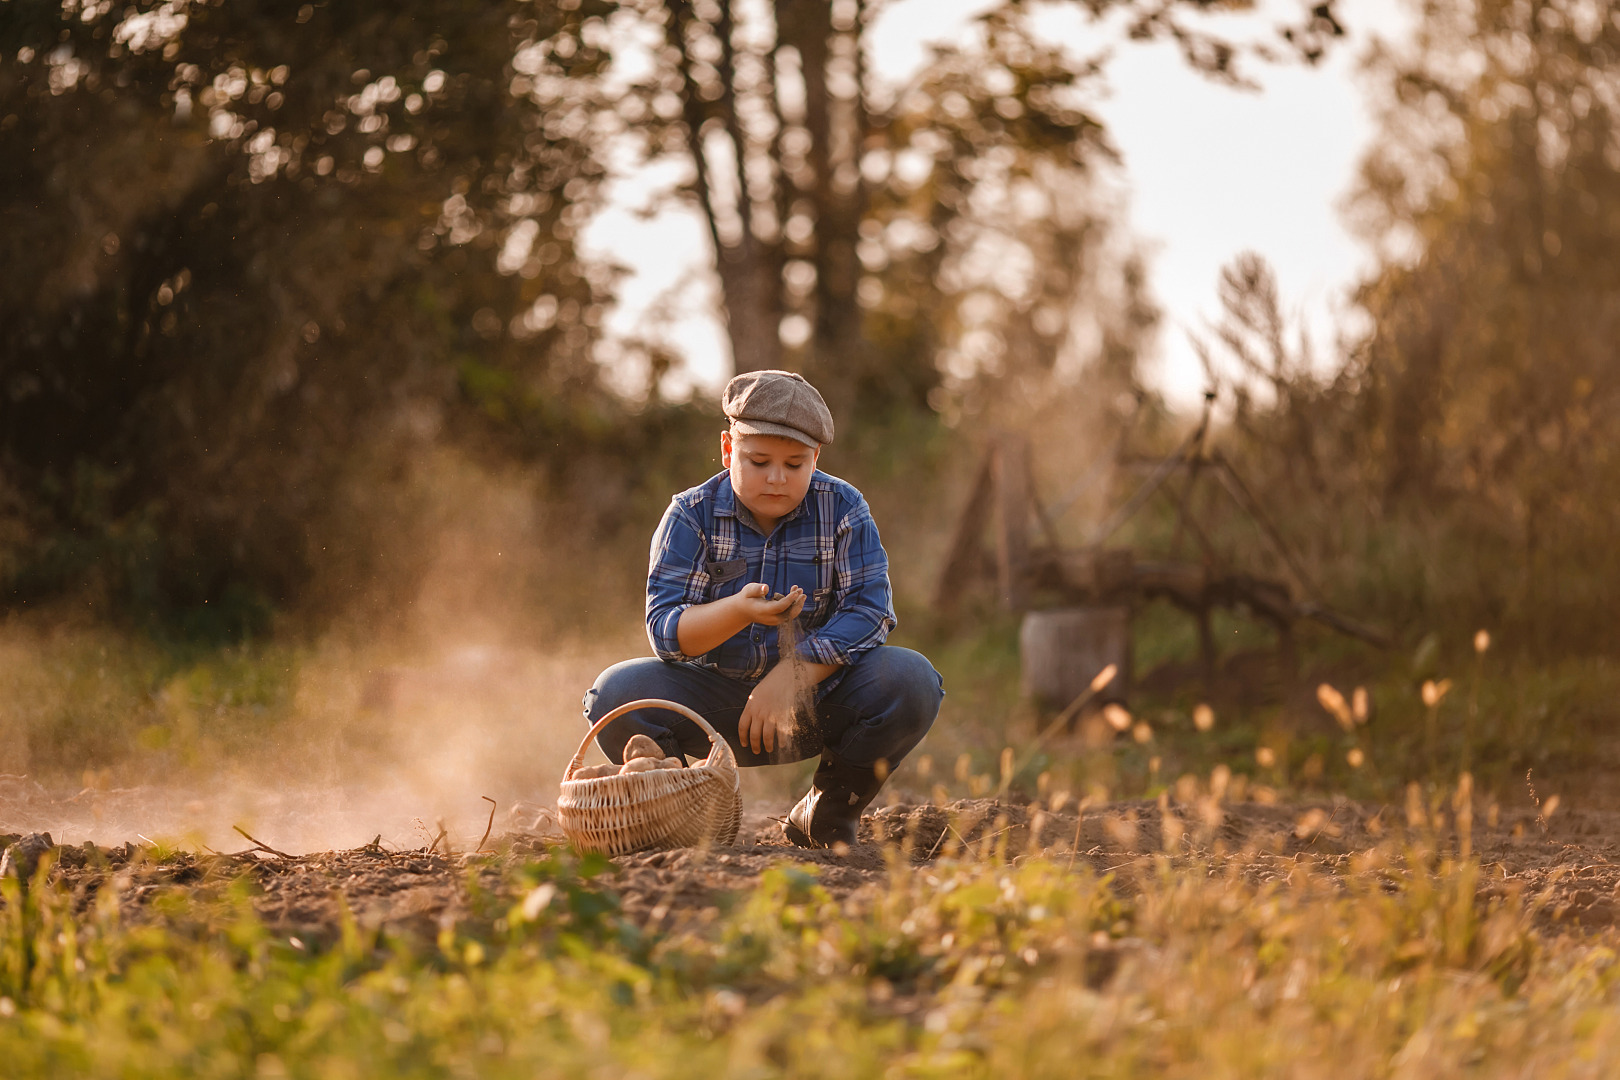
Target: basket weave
[(659, 808)]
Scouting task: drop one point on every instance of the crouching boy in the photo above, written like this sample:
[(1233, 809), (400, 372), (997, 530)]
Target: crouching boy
[(768, 604)]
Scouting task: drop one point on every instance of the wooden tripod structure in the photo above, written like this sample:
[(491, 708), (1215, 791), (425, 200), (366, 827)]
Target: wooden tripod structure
[(1029, 558)]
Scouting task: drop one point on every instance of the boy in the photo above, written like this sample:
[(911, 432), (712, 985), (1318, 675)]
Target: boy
[(774, 556)]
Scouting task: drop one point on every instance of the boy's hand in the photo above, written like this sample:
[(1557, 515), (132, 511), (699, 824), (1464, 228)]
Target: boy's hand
[(706, 626), (755, 604), (768, 718)]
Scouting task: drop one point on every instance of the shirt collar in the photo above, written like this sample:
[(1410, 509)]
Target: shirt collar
[(726, 505), (725, 500)]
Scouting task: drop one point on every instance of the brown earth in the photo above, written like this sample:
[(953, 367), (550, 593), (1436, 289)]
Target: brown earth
[(1571, 858)]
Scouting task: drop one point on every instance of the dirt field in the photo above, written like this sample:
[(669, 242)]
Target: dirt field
[(1571, 858)]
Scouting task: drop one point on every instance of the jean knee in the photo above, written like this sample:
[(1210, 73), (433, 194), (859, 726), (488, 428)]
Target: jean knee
[(920, 689), (620, 684)]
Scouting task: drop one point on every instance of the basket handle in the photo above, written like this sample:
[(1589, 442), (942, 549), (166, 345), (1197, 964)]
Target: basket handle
[(719, 752)]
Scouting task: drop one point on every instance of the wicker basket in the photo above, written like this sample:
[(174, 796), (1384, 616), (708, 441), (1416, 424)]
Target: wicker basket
[(659, 808)]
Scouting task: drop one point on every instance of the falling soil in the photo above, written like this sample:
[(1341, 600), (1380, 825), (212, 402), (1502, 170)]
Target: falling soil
[(1572, 859)]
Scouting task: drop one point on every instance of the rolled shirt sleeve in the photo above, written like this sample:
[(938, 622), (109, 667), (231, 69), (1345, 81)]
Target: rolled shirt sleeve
[(676, 579), (863, 612)]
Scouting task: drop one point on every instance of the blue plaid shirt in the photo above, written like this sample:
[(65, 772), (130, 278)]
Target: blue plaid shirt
[(708, 546)]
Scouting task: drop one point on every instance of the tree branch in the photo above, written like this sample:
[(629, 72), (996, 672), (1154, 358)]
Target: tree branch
[(680, 16)]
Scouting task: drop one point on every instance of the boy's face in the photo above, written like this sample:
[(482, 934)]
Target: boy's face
[(770, 474)]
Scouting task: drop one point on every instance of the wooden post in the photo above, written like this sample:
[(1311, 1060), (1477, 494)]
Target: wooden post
[(1206, 649), (1287, 656), (967, 549), (1195, 461), (1012, 485)]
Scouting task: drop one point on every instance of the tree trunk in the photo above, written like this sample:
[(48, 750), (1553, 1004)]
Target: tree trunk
[(836, 354), (1011, 477), (750, 268), (753, 307)]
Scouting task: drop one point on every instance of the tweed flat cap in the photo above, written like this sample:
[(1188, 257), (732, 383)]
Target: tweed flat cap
[(777, 403)]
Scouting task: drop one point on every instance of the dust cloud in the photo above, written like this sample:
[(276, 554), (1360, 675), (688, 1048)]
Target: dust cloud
[(409, 706)]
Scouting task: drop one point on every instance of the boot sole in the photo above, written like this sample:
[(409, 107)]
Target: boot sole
[(798, 838)]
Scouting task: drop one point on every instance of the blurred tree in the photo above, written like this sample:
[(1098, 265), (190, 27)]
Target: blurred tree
[(1280, 397), (1453, 469), (1496, 198), (991, 245), (245, 241), (1491, 374), (808, 171)]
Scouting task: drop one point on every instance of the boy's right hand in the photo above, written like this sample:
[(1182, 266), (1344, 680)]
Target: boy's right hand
[(755, 604)]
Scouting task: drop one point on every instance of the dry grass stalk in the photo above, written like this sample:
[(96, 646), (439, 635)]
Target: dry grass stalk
[(487, 827), (262, 846)]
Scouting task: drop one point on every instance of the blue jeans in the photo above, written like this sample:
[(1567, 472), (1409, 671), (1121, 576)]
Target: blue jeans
[(880, 709)]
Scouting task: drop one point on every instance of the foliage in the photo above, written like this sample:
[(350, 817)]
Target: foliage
[(251, 243), (1450, 473), (1491, 370), (971, 968), (82, 703), (1499, 179), (265, 256)]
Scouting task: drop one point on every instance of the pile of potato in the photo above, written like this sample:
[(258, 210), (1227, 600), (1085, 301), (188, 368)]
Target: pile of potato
[(641, 754)]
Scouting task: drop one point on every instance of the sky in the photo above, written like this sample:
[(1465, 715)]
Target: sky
[(1212, 172)]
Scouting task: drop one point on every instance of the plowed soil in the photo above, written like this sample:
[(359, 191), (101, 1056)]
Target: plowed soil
[(1572, 858)]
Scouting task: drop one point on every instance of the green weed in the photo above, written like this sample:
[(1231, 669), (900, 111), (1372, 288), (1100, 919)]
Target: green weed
[(985, 968)]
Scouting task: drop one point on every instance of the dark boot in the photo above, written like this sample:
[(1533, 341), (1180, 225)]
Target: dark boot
[(831, 810)]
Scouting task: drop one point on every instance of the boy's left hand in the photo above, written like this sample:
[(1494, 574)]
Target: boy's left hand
[(768, 718)]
